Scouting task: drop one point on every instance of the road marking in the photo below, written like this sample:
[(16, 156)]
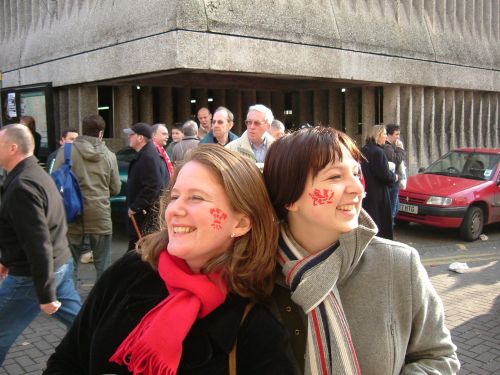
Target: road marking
[(460, 258)]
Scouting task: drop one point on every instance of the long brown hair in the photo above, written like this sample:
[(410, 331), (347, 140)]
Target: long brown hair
[(248, 268)]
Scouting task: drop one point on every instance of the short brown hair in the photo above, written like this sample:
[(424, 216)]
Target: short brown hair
[(248, 268), (290, 159), (92, 125)]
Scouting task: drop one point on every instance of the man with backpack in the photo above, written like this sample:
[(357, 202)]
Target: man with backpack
[(96, 169), (36, 266)]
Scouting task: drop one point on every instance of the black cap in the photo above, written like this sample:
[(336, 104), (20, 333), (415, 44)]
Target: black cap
[(140, 128)]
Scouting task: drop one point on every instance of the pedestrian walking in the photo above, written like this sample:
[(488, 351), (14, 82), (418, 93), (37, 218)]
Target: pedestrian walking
[(36, 266)]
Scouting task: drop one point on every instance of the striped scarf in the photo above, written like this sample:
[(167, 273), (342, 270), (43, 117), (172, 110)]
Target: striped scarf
[(313, 281)]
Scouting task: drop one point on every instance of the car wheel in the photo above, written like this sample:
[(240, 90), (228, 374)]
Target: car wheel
[(473, 223)]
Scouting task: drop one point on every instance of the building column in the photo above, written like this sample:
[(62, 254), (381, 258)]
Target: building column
[(469, 118), (264, 97), (123, 111), (305, 108), (367, 112), (460, 100), (201, 97), (166, 109), (278, 105), (495, 118), (320, 107), (183, 102), (430, 123), (146, 104), (234, 105), (352, 98), (219, 98), (335, 108), (392, 105), (408, 128)]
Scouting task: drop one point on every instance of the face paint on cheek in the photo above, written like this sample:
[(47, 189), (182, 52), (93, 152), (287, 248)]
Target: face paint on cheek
[(219, 217), (321, 197)]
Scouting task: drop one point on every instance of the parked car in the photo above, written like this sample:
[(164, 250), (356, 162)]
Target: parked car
[(460, 190), (118, 202)]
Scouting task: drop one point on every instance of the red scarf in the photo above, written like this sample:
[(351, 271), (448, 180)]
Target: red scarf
[(165, 157), (154, 347)]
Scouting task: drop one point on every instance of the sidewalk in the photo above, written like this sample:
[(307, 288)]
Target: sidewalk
[(471, 300)]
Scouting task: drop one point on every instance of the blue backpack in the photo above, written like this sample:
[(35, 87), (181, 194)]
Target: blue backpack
[(69, 187)]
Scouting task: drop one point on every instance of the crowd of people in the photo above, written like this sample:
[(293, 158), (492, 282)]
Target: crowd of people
[(267, 253)]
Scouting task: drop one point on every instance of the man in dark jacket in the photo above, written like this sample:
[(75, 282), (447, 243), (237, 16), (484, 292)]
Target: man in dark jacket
[(396, 154), (144, 182), (35, 265)]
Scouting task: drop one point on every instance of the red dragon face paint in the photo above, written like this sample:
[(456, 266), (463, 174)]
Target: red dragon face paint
[(219, 217), (321, 197)]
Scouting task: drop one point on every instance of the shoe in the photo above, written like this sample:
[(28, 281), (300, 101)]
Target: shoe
[(87, 258)]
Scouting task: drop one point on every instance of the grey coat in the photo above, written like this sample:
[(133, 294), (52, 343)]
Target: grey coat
[(395, 316)]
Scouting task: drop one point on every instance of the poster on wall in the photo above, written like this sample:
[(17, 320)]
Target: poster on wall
[(11, 105), (32, 103)]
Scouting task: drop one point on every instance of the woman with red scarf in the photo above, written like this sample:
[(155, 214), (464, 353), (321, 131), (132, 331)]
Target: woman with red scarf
[(177, 305)]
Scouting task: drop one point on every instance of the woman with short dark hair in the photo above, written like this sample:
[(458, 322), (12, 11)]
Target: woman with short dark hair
[(358, 303)]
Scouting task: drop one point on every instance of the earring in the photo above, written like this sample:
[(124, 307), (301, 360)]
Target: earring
[(233, 235)]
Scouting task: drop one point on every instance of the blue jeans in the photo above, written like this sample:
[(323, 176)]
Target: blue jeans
[(19, 304), (101, 249), (394, 193)]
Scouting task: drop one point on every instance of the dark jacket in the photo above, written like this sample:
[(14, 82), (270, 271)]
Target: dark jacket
[(378, 179), (33, 227), (394, 154), (144, 184), (209, 138), (128, 290)]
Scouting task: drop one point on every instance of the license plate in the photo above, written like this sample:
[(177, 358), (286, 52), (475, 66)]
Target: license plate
[(410, 208)]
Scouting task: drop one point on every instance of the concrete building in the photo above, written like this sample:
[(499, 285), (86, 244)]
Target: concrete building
[(432, 66)]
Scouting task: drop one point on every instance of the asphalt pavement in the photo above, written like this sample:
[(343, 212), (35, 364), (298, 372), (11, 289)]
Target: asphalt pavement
[(471, 299)]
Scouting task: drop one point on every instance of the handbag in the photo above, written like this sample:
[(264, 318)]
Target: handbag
[(232, 355)]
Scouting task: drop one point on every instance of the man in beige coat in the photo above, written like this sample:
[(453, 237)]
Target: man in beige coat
[(256, 140), (97, 171)]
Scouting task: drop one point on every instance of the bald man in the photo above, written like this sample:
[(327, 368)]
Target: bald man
[(35, 264)]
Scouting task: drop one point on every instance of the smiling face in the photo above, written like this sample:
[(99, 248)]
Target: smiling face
[(329, 205), (160, 136), (200, 219)]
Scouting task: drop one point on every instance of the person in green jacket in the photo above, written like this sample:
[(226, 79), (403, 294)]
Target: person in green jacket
[(96, 168)]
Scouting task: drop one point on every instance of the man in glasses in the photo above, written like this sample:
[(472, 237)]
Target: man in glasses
[(221, 128), (255, 141)]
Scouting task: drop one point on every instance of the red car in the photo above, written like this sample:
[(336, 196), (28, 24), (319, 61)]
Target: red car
[(460, 190)]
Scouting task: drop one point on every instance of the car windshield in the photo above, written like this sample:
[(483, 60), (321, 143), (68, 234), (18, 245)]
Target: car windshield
[(473, 165)]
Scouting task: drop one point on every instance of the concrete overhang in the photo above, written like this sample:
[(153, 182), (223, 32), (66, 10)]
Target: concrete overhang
[(286, 40)]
